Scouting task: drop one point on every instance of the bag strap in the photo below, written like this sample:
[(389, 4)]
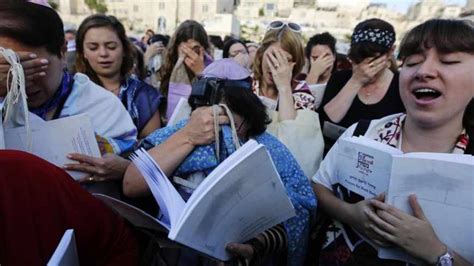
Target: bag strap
[(235, 138), (361, 127)]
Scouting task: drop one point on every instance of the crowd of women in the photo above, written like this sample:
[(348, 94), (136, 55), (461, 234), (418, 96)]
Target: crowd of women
[(295, 99)]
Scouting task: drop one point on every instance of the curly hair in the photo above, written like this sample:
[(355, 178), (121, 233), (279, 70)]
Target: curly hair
[(111, 22), (187, 30)]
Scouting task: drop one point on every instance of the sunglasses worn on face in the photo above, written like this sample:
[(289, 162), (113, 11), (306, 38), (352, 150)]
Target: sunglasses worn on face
[(278, 25)]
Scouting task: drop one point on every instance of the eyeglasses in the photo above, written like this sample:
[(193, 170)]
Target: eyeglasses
[(278, 25)]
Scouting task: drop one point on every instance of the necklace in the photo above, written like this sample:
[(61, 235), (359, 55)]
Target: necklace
[(114, 91), (367, 92)]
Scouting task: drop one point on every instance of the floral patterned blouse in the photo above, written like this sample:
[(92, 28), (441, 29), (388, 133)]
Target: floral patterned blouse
[(302, 95), (203, 158)]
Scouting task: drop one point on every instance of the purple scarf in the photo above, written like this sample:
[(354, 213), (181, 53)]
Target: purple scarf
[(59, 97)]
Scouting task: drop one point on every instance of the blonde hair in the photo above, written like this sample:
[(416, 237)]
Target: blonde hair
[(290, 41)]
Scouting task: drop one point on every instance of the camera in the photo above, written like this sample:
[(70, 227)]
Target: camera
[(209, 91)]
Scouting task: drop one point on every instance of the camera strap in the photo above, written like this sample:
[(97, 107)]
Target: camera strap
[(235, 138)]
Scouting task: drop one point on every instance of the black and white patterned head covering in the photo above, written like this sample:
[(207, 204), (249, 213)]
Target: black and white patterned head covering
[(372, 35)]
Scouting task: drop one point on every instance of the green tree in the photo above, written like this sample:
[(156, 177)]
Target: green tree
[(98, 6)]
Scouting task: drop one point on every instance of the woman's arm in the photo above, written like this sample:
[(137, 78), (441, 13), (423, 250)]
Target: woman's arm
[(362, 74), (169, 155), (153, 124), (281, 71)]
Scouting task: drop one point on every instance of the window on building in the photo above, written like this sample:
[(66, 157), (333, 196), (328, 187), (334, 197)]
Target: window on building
[(205, 8), (161, 6), (135, 8)]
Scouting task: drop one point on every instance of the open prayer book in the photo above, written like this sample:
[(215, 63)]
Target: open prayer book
[(241, 198), (53, 140), (23, 130), (66, 253), (443, 184)]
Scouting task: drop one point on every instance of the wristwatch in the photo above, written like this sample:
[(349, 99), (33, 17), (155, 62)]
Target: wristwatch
[(445, 260)]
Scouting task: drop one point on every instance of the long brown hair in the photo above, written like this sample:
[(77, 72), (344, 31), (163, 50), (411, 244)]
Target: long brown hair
[(98, 21), (189, 29), (290, 41)]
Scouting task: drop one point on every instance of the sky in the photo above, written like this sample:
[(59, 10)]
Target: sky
[(402, 5)]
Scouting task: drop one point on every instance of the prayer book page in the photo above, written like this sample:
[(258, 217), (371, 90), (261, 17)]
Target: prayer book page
[(66, 252), (364, 166), (241, 198), (53, 140), (444, 187), (134, 215)]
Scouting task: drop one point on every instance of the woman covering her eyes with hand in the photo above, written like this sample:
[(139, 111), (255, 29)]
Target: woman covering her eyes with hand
[(370, 89), (237, 50), (289, 101), (186, 58), (320, 52), (105, 54)]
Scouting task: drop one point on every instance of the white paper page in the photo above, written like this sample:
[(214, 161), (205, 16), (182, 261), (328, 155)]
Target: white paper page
[(248, 199), (134, 215), (66, 252), (175, 203), (444, 157), (182, 111), (53, 140), (170, 202), (212, 179), (445, 191), (364, 166), (221, 169)]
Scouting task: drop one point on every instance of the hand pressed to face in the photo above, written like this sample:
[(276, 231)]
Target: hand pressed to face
[(103, 50), (239, 53), (200, 127), (194, 55), (322, 60), (277, 67), (414, 233), (366, 71), (153, 49), (43, 71), (34, 68)]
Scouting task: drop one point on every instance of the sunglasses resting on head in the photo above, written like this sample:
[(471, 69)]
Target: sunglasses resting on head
[(278, 25)]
